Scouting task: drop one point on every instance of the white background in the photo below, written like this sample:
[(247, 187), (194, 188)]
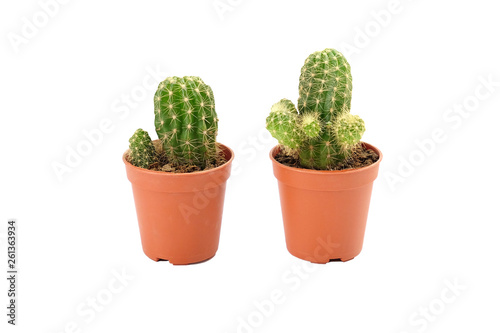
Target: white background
[(435, 225)]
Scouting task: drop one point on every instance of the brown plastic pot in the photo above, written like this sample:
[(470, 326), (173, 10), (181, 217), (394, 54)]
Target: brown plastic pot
[(325, 212), (180, 214)]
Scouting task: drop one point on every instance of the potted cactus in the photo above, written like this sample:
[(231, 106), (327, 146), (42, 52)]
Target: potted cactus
[(179, 180), (325, 173)]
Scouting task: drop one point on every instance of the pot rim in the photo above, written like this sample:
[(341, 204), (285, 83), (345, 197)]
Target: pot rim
[(183, 174), (275, 149)]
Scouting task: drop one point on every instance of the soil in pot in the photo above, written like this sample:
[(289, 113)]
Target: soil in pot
[(361, 157), (164, 164)]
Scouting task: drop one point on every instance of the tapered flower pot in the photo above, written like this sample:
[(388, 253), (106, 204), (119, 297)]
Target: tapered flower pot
[(180, 214), (325, 212)]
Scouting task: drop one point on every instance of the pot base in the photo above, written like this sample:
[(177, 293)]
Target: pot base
[(181, 262), (321, 260)]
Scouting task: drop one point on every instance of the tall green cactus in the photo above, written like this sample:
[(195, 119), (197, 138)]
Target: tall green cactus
[(323, 131), (142, 151), (186, 121)]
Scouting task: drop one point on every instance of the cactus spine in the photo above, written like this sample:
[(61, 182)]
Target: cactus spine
[(142, 151), (186, 121), (323, 131)]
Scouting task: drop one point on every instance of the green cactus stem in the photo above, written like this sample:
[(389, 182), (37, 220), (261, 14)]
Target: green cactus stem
[(282, 122), (311, 125), (142, 152), (186, 121), (348, 129), (325, 85)]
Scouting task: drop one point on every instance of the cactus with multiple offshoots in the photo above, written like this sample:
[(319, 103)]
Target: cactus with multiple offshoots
[(322, 133), (186, 124)]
